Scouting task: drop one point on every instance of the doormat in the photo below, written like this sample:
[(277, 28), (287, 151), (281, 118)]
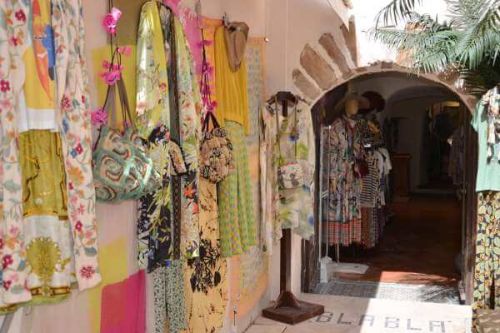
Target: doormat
[(392, 291)]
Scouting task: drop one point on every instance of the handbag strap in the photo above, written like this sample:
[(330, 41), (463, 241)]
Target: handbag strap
[(110, 100), (206, 91)]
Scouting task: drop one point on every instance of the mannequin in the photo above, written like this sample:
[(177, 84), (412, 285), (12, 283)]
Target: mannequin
[(351, 106)]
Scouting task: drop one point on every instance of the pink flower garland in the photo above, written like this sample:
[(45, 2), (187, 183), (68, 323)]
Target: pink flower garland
[(110, 21), (112, 72), (207, 71)]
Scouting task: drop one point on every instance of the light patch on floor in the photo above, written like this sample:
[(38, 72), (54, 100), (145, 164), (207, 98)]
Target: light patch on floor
[(365, 315)]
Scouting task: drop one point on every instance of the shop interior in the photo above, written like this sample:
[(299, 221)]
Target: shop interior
[(392, 226)]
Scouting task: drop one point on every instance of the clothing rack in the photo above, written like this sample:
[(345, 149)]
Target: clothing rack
[(327, 266)]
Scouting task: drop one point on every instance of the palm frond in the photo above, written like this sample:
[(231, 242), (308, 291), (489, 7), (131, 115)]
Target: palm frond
[(396, 11), (481, 34), (428, 43), (483, 78)]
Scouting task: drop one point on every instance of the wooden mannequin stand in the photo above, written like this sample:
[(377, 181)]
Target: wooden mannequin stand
[(288, 309)]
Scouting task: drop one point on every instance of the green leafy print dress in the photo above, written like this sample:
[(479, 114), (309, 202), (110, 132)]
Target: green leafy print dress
[(294, 207)]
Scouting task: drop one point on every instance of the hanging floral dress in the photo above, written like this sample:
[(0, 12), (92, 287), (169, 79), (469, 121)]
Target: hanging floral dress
[(13, 35), (292, 140), (168, 112), (344, 213), (51, 236)]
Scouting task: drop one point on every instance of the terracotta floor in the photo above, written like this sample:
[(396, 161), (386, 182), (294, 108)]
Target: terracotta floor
[(419, 245)]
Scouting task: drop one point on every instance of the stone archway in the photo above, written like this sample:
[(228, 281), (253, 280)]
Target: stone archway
[(327, 64)]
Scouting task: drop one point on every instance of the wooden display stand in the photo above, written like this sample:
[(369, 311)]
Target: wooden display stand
[(288, 309)]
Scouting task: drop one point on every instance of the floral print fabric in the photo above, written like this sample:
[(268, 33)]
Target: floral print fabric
[(294, 207), (22, 243), (189, 104), (153, 121), (344, 213), (487, 267), (74, 124), (13, 31), (169, 306)]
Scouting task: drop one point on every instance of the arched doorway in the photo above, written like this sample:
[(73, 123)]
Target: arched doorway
[(402, 87)]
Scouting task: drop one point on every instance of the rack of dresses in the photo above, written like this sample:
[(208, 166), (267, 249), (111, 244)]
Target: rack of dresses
[(354, 177)]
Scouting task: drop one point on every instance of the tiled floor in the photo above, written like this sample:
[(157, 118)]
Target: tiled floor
[(419, 245), (364, 315)]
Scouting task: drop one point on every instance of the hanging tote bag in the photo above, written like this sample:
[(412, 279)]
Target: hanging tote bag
[(216, 150), (290, 173), (122, 169)]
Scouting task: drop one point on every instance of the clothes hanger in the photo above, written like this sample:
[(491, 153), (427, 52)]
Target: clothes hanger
[(285, 98), (225, 20), (286, 95)]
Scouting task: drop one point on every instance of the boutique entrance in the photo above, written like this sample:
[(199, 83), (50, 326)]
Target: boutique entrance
[(394, 197)]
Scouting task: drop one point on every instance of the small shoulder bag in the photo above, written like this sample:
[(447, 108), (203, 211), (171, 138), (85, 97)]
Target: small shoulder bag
[(122, 169), (216, 150)]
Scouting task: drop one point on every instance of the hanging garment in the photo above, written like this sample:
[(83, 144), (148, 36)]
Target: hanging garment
[(168, 294), (344, 219), (370, 184), (168, 222), (153, 122), (207, 296), (13, 28), (189, 104), (74, 125), (491, 102), (268, 179), (47, 230), (232, 86), (487, 266), (236, 214), (152, 103), (37, 99), (293, 207), (488, 167)]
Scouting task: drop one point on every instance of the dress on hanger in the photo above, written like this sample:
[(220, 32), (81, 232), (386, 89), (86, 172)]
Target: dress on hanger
[(235, 194), (49, 235), (344, 213), (292, 208)]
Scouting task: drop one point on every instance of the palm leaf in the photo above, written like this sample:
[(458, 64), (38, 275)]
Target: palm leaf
[(429, 44), (481, 35), (395, 11)]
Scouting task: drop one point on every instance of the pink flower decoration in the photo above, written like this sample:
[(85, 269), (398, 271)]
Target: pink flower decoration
[(87, 272), (98, 117), (110, 21), (111, 77), (78, 226), (125, 50), (106, 65)]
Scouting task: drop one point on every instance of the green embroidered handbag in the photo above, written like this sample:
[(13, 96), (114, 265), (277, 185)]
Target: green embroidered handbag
[(122, 169)]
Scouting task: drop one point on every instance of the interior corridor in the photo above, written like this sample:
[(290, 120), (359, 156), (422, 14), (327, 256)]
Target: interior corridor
[(419, 245)]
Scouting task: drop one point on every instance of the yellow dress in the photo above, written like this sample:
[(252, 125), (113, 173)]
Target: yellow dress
[(232, 96)]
